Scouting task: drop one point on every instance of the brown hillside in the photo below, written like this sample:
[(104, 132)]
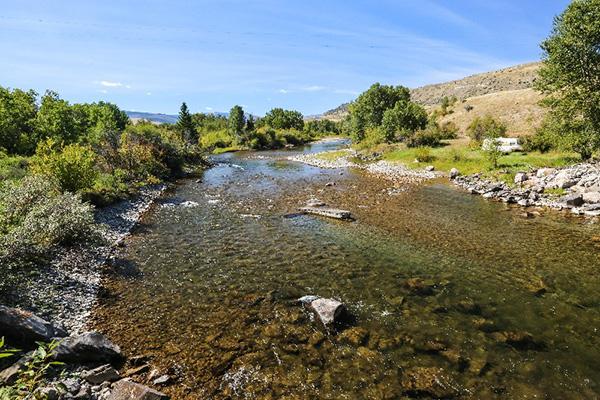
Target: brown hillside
[(505, 94)]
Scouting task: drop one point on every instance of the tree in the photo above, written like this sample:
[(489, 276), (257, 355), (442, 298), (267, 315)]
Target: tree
[(185, 125), (368, 109), (235, 123), (486, 127), (570, 76), (250, 126), (17, 120), (56, 119), (278, 118), (403, 120)]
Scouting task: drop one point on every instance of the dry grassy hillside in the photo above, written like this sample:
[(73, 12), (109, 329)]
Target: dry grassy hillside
[(505, 94)]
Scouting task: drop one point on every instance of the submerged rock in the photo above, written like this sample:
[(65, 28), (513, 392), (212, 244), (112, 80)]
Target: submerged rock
[(89, 346), (427, 381), (127, 390), (355, 336), (25, 327), (518, 339), (420, 286)]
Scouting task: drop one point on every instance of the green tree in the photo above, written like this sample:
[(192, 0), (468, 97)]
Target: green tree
[(486, 127), (18, 110), (570, 76), (235, 123), (278, 118), (56, 119), (368, 109), (185, 125), (403, 120), (250, 125)]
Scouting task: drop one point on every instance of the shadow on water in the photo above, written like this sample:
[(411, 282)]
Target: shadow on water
[(450, 295)]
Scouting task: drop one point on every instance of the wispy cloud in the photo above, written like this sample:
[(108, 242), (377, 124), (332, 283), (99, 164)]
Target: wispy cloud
[(148, 93), (283, 91), (110, 84), (209, 108), (313, 88)]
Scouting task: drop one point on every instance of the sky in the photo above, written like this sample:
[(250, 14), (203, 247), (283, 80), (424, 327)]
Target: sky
[(308, 55)]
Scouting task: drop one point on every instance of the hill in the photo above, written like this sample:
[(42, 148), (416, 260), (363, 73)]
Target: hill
[(506, 94), (158, 118)]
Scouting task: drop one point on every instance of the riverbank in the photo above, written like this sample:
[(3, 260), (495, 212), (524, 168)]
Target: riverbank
[(66, 290)]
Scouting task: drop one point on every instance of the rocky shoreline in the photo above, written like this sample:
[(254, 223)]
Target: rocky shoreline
[(575, 188), (396, 172), (65, 291)]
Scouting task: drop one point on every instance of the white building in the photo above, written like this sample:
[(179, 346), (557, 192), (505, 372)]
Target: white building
[(503, 144)]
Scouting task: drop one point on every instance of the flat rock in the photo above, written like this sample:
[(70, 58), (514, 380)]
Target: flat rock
[(329, 311), (104, 373), (25, 327), (127, 390), (87, 347)]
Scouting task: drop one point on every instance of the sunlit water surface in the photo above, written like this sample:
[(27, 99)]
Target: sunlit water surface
[(209, 291)]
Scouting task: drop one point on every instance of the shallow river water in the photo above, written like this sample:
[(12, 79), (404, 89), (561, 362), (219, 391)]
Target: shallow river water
[(451, 295)]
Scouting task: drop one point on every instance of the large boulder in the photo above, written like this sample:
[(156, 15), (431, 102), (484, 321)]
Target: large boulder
[(127, 390), (26, 328), (330, 311), (87, 347)]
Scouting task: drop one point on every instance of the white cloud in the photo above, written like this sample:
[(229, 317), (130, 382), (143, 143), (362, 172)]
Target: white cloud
[(111, 84), (128, 86), (148, 93), (313, 88), (283, 91), (209, 108)]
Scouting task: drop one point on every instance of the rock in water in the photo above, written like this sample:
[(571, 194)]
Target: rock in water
[(329, 311), (89, 346), (127, 390), (25, 327), (308, 299), (422, 381)]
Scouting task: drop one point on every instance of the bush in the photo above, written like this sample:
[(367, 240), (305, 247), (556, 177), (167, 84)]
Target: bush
[(537, 142), (72, 166), (108, 189), (423, 154), (372, 137), (35, 217), (216, 139), (486, 127)]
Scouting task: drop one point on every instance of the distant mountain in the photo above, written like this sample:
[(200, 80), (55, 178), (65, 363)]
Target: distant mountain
[(159, 118), (506, 94), (136, 116)]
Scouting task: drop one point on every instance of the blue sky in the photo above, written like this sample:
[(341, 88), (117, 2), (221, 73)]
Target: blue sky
[(309, 55)]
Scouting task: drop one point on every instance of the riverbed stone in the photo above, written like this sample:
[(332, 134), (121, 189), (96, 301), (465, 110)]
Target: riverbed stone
[(430, 168), (543, 172), (9, 375), (427, 381), (127, 390), (574, 200), (453, 173), (87, 347), (420, 286), (355, 336), (520, 177), (591, 197), (330, 311), (518, 339), (103, 373), (25, 327)]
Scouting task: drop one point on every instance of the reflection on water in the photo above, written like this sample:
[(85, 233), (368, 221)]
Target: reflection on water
[(454, 296)]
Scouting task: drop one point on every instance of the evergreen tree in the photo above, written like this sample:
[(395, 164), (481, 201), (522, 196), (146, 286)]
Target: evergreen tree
[(185, 125), (236, 122)]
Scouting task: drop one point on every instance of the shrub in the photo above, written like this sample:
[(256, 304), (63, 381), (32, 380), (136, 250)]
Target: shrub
[(108, 188), (72, 166), (216, 139), (447, 130), (486, 127), (423, 154), (537, 142), (36, 217), (372, 137)]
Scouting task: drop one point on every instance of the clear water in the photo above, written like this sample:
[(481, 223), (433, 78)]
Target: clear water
[(209, 291)]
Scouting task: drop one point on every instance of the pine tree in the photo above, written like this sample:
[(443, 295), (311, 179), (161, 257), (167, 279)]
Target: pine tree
[(185, 125)]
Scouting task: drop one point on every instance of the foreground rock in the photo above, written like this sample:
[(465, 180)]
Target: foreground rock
[(25, 327), (329, 311), (87, 347), (127, 390)]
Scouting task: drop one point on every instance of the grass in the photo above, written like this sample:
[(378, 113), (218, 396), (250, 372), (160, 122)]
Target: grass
[(221, 150), (457, 154)]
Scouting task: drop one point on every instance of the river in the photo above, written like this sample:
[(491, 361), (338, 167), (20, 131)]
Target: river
[(504, 305)]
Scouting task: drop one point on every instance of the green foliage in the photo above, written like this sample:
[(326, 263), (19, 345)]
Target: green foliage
[(446, 105), (423, 154), (12, 167), (108, 188), (492, 152), (570, 77), (372, 137), (400, 122), (185, 124), (368, 109), (35, 216), (17, 120), (278, 118), (485, 127), (236, 122), (322, 127), (56, 119), (6, 352), (72, 166), (34, 375), (216, 139)]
